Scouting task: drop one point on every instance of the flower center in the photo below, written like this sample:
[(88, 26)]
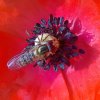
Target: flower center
[(49, 40), (56, 43)]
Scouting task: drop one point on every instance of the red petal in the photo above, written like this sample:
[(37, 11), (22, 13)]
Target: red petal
[(34, 83)]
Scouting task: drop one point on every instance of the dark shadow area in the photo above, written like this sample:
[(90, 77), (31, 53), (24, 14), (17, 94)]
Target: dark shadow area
[(84, 42), (91, 53)]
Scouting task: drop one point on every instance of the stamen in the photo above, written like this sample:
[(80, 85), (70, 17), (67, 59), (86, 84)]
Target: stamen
[(59, 43)]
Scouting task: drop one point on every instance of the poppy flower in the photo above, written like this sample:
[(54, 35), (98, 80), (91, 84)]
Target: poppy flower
[(79, 81)]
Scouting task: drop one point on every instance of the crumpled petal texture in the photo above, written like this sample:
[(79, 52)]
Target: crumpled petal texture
[(34, 83)]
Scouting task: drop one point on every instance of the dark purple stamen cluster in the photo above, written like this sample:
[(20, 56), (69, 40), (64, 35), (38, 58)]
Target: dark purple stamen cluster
[(57, 27)]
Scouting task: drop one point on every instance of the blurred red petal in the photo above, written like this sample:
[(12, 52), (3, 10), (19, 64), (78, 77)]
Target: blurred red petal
[(34, 83)]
